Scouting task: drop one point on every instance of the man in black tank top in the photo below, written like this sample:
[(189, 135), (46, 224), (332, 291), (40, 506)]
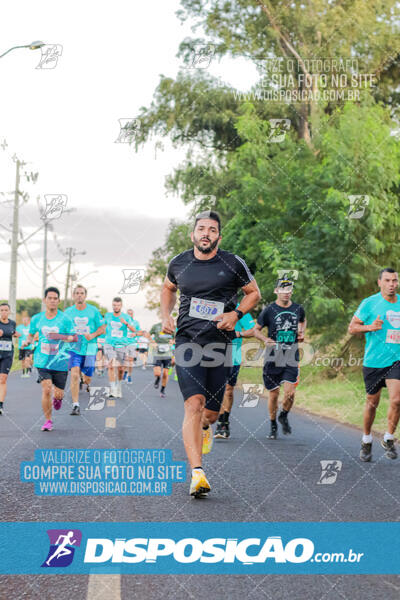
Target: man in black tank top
[(7, 331)]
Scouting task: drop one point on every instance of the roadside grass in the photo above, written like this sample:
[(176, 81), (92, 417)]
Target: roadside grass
[(341, 398)]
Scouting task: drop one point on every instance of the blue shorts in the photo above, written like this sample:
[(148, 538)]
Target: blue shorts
[(85, 363)]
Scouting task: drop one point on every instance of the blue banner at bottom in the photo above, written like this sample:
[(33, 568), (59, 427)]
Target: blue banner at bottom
[(196, 548)]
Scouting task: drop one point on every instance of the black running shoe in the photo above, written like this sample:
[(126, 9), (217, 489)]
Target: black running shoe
[(366, 452), (283, 420), (75, 410), (1, 408), (226, 431), (273, 434), (219, 431), (390, 450), (157, 383)]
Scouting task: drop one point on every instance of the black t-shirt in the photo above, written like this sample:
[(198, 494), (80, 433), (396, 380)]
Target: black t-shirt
[(8, 331), (217, 279), (282, 323)]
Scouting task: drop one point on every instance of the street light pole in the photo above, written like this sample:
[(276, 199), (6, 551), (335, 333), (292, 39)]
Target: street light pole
[(12, 295), (31, 46)]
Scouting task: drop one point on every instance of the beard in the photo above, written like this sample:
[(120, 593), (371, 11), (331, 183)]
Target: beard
[(207, 249)]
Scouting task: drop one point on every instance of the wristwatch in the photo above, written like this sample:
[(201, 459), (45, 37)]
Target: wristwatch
[(239, 313)]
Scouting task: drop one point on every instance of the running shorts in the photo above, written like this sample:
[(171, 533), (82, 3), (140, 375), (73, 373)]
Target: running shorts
[(117, 352), (200, 378), (374, 379), (24, 353), (274, 376), (130, 351), (6, 361), (58, 378), (85, 363), (233, 375), (165, 363)]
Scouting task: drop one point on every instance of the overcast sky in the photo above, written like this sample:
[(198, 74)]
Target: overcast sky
[(64, 123)]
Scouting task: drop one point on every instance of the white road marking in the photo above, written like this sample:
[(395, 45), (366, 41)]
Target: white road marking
[(104, 587)]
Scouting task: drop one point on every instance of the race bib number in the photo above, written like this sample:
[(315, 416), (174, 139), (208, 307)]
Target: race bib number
[(82, 329), (163, 348), (116, 333), (5, 345), (131, 334), (205, 309), (393, 336), (49, 349)]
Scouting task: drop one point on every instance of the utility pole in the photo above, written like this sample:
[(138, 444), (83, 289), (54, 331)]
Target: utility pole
[(44, 282), (69, 254), (12, 294)]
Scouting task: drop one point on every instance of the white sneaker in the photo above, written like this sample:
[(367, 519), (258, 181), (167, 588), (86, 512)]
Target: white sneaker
[(144, 367), (118, 390), (113, 390)]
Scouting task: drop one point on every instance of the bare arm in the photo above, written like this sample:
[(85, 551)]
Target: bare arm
[(252, 295), (168, 299), (357, 326)]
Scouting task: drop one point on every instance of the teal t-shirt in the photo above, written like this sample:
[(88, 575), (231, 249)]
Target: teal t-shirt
[(382, 348), (23, 330), (117, 332), (245, 323), (51, 354), (132, 337), (87, 320)]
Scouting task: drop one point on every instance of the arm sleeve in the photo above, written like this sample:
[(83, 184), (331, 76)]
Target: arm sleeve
[(363, 311), (171, 273), (263, 318), (32, 326), (243, 274)]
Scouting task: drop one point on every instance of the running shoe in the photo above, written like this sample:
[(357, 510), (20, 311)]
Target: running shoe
[(219, 430), (88, 388), (57, 403), (1, 408), (118, 390), (75, 410), (283, 420), (113, 390), (273, 434), (129, 380), (199, 485), (207, 440), (144, 368), (366, 452), (390, 450), (162, 394), (157, 382), (48, 426)]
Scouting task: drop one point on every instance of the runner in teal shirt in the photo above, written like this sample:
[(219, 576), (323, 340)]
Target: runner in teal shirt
[(24, 354), (378, 317), (245, 324)]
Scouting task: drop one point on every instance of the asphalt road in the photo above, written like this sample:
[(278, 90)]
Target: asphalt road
[(252, 478)]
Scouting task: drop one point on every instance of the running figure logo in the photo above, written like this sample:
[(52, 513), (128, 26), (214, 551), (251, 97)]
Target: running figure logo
[(330, 471), (55, 204), (357, 206), (62, 547), (251, 395), (97, 398), (132, 281), (50, 55)]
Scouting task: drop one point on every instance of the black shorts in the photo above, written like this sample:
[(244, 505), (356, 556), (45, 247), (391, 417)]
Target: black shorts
[(58, 378), (6, 361), (274, 376), (209, 381), (165, 363), (233, 375), (374, 379), (24, 353)]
